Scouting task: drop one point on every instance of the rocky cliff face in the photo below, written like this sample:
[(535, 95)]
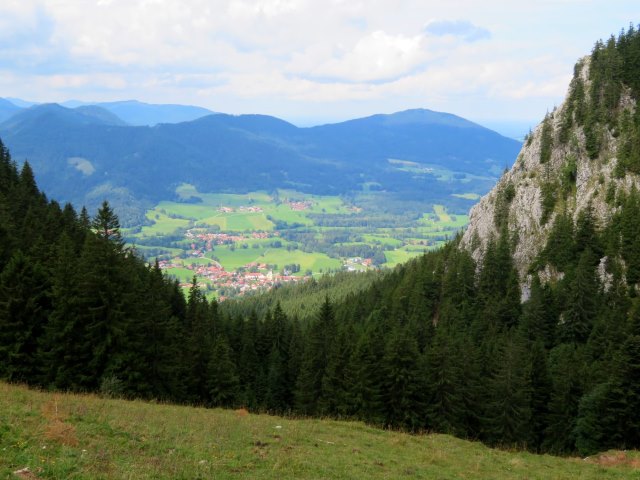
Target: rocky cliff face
[(569, 163)]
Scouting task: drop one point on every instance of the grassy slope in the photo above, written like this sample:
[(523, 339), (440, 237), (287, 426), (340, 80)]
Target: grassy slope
[(69, 436)]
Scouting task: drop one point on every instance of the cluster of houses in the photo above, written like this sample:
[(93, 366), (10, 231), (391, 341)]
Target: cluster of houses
[(297, 205), (251, 209), (354, 264), (211, 239), (237, 283), (300, 205)]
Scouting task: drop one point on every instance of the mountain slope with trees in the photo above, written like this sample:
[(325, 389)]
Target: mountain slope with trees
[(136, 166)]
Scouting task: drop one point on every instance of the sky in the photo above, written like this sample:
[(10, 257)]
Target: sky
[(307, 61)]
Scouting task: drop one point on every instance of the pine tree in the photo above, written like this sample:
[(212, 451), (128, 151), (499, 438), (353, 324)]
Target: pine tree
[(508, 415), (560, 248), (404, 383), (537, 323), (458, 295), (107, 226), (24, 307), (277, 391), (566, 371), (146, 360), (196, 352), (595, 428), (102, 300), (296, 351), (222, 380), (446, 409), (577, 319), (248, 364), (63, 358), (625, 393), (586, 233), (498, 285), (538, 378), (363, 373), (334, 391), (629, 225), (314, 360)]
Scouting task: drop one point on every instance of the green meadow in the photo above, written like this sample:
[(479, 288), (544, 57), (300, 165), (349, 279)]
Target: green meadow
[(47, 435)]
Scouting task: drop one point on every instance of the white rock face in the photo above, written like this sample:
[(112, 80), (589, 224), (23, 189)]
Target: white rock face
[(527, 175)]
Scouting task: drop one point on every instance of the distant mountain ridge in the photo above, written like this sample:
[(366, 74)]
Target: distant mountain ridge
[(135, 165), (7, 109), (131, 112), (43, 115), (138, 113)]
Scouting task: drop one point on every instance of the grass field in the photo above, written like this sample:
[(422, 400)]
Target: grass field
[(165, 250), (466, 196), (401, 255), (182, 274), (239, 257), (163, 224), (237, 222), (382, 239), (63, 436)]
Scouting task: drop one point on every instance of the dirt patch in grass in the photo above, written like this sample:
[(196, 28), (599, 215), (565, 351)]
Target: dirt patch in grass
[(26, 474), (57, 429), (615, 458), (62, 433)]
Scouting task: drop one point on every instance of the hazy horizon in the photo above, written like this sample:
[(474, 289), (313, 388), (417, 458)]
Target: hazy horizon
[(515, 129)]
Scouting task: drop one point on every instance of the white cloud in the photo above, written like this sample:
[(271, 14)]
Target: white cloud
[(376, 56), (279, 86), (265, 8), (98, 81), (283, 55)]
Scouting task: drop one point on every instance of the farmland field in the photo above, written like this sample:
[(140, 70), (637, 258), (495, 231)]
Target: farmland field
[(236, 243)]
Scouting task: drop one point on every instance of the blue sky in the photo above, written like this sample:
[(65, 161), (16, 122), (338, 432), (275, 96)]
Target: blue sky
[(306, 61)]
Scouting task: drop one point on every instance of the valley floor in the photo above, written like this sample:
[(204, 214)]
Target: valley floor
[(65, 436), (237, 244)]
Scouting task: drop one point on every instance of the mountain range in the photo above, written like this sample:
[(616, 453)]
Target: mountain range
[(130, 112), (88, 153)]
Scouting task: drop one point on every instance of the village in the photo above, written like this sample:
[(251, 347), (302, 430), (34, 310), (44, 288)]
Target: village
[(211, 239), (254, 276)]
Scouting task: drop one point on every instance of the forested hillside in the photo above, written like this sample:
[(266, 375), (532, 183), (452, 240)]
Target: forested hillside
[(84, 158), (79, 310), (443, 343)]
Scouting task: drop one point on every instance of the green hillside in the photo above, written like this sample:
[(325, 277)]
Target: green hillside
[(61, 436), (134, 167)]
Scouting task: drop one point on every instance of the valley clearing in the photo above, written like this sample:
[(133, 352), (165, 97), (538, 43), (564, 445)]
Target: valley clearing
[(64, 436)]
